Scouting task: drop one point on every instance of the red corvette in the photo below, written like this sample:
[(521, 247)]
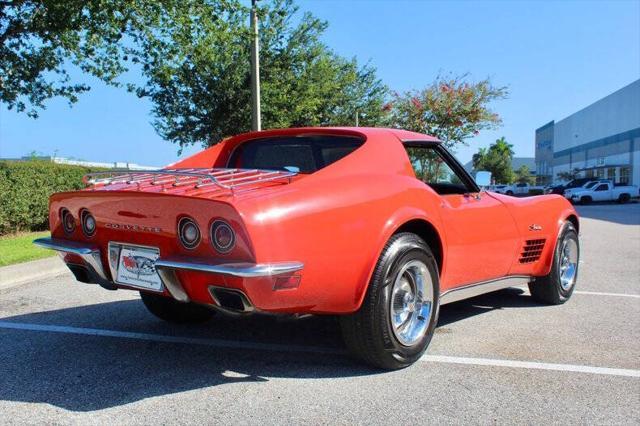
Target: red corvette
[(378, 226)]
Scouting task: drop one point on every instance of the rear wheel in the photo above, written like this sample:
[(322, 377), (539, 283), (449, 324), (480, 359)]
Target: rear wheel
[(397, 319), (557, 287), (509, 192), (624, 198), (171, 310)]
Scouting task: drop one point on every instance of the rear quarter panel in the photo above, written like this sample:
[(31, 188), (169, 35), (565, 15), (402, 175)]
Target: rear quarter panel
[(338, 230), (337, 220)]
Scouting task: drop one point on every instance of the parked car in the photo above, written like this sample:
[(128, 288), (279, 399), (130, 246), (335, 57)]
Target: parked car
[(378, 226), (588, 185), (575, 183), (521, 188), (517, 189), (500, 189), (603, 191)]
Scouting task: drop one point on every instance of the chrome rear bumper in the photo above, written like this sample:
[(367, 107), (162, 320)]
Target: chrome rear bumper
[(89, 254), (242, 270), (167, 267)]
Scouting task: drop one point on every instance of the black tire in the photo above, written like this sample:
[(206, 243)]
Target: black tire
[(171, 310), (549, 289), (624, 198), (509, 193), (585, 200), (369, 333)]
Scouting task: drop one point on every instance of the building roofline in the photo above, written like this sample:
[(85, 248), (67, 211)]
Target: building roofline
[(600, 99), (543, 127)]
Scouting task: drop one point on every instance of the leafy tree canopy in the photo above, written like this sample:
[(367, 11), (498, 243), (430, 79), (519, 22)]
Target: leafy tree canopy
[(451, 108), (497, 160), (40, 38), (194, 57), (568, 176), (523, 175), (198, 75)]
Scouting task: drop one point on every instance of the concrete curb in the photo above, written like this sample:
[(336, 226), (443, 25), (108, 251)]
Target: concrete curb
[(22, 273)]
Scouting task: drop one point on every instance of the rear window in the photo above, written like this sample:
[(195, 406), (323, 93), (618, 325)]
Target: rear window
[(304, 154)]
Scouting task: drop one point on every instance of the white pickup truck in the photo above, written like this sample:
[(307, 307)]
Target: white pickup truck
[(516, 189), (603, 191), (587, 185)]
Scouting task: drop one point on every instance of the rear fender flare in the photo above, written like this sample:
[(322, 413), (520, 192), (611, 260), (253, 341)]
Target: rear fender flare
[(391, 226)]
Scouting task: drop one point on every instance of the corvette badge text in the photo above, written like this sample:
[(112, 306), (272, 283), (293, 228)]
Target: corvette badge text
[(133, 228)]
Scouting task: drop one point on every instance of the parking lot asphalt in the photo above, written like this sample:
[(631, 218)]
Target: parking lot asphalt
[(72, 353)]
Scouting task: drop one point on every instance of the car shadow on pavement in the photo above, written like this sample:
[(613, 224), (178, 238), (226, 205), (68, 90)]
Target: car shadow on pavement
[(508, 298), (86, 373)]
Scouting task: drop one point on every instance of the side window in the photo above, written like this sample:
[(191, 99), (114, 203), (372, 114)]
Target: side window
[(431, 168), (602, 187)]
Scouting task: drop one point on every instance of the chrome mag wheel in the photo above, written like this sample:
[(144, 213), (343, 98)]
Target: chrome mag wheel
[(411, 302), (568, 259)]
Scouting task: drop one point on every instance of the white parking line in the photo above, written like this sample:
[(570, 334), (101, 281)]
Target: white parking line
[(529, 365), (230, 344), (599, 293)]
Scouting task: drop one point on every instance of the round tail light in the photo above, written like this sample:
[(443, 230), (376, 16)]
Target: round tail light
[(88, 223), (222, 236), (189, 233), (68, 221)]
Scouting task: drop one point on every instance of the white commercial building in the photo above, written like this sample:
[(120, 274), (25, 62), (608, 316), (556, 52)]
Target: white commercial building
[(601, 140)]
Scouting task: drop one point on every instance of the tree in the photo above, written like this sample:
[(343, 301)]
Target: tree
[(523, 175), (198, 72), (451, 108), (193, 56), (41, 38), (497, 160), (568, 176)]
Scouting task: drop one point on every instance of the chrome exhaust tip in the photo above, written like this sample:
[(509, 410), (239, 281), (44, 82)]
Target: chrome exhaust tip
[(231, 301)]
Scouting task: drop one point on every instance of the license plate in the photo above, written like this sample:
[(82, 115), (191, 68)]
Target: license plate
[(136, 267)]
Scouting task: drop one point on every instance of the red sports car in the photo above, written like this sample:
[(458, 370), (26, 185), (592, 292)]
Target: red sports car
[(378, 226)]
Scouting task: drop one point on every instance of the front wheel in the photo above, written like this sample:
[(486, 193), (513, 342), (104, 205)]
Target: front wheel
[(557, 287), (398, 316)]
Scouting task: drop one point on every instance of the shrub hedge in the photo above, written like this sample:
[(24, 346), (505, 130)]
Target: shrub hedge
[(25, 187)]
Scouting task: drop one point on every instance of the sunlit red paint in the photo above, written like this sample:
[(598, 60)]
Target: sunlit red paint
[(335, 221)]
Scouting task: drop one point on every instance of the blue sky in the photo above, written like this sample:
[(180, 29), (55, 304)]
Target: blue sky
[(556, 58)]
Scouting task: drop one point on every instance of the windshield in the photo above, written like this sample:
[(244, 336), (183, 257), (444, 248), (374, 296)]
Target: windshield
[(590, 185), (304, 154)]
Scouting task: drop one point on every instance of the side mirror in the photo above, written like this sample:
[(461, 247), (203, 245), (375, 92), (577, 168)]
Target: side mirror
[(483, 179)]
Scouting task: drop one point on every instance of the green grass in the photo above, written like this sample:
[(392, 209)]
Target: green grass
[(19, 248)]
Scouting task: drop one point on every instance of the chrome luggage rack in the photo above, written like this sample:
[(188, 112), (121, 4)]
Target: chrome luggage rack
[(215, 178)]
